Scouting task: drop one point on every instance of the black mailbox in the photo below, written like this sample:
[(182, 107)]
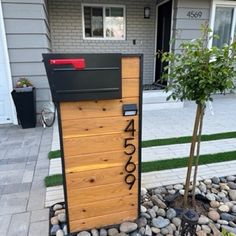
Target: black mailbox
[(77, 77)]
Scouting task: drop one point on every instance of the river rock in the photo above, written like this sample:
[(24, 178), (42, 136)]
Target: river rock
[(215, 180), (103, 232), (148, 231), (84, 233), (227, 217), (222, 222), (232, 224), (143, 191), (211, 197), (176, 221), (178, 186), (146, 215), (201, 233), (161, 212), (171, 213), (207, 182), (232, 185), (223, 208), (142, 222), (151, 212), (54, 220), (155, 230), (57, 212), (224, 187), (160, 222), (206, 229), (60, 233), (203, 220), (221, 195), (232, 194), (202, 187), (214, 229), (233, 209), (128, 227), (158, 202), (214, 215), (143, 209), (54, 229), (229, 229), (112, 232), (57, 207), (94, 232), (214, 204), (231, 178)]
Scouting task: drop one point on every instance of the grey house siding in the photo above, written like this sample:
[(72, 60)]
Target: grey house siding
[(66, 31), (27, 30), (185, 28)]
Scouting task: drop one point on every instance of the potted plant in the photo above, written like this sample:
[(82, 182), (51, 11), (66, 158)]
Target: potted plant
[(24, 99)]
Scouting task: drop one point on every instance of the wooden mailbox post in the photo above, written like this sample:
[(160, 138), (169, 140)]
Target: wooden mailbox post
[(100, 133)]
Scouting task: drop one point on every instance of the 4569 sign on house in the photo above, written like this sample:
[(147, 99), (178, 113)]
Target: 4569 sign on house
[(98, 98)]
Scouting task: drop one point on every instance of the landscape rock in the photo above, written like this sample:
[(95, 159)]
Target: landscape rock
[(113, 232), (215, 180), (203, 220), (151, 212), (210, 197), (57, 207), (176, 221), (160, 222), (103, 232), (161, 212), (214, 215), (234, 209), (232, 185), (158, 202), (60, 233), (54, 220), (155, 230), (54, 229), (206, 229), (171, 213), (223, 208), (232, 194), (148, 231), (142, 222), (143, 209), (178, 186), (222, 222), (143, 191), (214, 204), (227, 217), (128, 227), (214, 229), (231, 178), (94, 232), (229, 229)]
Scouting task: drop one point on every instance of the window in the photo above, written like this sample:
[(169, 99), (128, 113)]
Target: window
[(223, 22), (103, 22)]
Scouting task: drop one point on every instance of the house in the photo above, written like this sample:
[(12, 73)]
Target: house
[(29, 28)]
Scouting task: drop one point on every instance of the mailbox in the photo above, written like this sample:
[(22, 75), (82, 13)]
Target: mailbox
[(99, 102)]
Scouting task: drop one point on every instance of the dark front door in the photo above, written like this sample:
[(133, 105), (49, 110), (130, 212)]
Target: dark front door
[(164, 13)]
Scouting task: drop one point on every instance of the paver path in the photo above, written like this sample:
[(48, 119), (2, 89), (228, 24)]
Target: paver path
[(23, 167)]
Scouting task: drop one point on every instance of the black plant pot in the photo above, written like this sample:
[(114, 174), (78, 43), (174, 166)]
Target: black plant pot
[(25, 103)]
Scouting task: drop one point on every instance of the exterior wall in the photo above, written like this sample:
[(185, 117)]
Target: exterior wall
[(28, 37), (66, 31), (185, 28)]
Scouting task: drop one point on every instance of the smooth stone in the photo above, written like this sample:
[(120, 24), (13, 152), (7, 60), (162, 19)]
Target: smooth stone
[(232, 185), (222, 222), (170, 229), (223, 180), (214, 215), (57, 212), (151, 212), (215, 180), (143, 209), (143, 191), (202, 187), (94, 232), (65, 230), (62, 217), (182, 192), (148, 204), (229, 229), (224, 187), (201, 233), (135, 233), (215, 191), (197, 191), (227, 217), (221, 195), (54, 220), (142, 231), (176, 221), (155, 208), (230, 205), (112, 231), (223, 208), (225, 200), (214, 204), (142, 222), (103, 232), (160, 222), (146, 215), (231, 178), (232, 194), (161, 212), (232, 224), (216, 186), (157, 191), (172, 191), (123, 234), (57, 207), (169, 187), (203, 220), (84, 233), (155, 230), (164, 231), (207, 182), (210, 197), (233, 209), (60, 233), (171, 213), (148, 231), (178, 186), (128, 227), (206, 229), (158, 202), (214, 229), (54, 229)]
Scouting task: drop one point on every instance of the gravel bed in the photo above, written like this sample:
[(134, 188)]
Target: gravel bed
[(158, 217)]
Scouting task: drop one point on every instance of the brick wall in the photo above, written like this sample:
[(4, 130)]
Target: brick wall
[(67, 36)]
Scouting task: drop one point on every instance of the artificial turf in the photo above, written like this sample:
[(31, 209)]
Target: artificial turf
[(54, 154)]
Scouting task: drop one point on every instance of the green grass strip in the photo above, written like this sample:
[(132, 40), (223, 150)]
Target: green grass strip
[(182, 162), (187, 139), (53, 180), (54, 154)]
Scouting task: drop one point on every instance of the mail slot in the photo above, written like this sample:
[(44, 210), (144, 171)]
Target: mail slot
[(99, 104), (78, 77)]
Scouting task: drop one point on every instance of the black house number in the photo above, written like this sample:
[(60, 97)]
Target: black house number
[(194, 14), (130, 149)]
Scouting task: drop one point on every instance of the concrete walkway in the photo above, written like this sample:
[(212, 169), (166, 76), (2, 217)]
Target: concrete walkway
[(23, 167)]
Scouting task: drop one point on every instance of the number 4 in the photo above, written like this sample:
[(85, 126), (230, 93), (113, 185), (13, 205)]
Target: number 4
[(130, 127)]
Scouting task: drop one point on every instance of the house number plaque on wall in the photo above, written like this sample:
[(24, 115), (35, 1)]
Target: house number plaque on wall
[(99, 103)]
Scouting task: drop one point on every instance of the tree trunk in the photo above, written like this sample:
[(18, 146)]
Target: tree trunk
[(191, 155), (198, 154)]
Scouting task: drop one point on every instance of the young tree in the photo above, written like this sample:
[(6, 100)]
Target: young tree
[(195, 74)]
